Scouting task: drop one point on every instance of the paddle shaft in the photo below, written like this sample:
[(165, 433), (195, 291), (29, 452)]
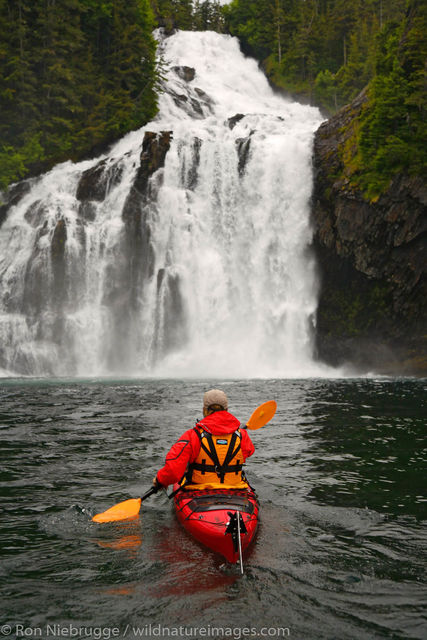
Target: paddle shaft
[(149, 493)]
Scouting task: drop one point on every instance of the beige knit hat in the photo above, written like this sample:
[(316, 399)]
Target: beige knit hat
[(215, 397)]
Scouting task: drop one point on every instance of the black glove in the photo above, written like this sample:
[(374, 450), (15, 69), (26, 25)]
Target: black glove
[(157, 484)]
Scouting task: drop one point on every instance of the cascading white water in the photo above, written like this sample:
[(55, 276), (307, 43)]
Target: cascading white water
[(221, 282)]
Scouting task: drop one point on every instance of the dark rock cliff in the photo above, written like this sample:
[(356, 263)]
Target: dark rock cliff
[(138, 250), (12, 196), (372, 258)]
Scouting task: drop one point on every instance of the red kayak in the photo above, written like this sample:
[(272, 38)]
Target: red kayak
[(224, 520)]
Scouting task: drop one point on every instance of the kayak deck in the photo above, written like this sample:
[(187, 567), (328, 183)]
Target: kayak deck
[(208, 515)]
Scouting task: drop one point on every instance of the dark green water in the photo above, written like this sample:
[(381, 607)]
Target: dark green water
[(341, 476)]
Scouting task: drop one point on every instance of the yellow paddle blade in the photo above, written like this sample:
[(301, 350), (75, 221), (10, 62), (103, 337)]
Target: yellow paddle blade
[(121, 511), (262, 415)]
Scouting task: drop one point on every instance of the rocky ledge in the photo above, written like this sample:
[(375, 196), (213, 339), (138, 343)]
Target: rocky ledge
[(372, 258)]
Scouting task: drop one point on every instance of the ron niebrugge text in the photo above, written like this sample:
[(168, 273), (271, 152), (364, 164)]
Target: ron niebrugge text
[(146, 631)]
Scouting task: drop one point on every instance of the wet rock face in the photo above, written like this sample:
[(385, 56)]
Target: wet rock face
[(372, 306), (94, 185), (190, 174), (13, 195), (134, 267), (35, 213), (154, 149), (57, 252), (59, 239), (170, 311), (185, 73), (243, 149), (234, 120), (97, 181), (192, 100)]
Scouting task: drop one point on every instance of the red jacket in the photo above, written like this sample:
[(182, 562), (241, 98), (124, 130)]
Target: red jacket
[(186, 449)]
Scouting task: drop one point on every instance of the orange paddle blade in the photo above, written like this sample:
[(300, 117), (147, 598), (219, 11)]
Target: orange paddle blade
[(121, 511), (262, 415)]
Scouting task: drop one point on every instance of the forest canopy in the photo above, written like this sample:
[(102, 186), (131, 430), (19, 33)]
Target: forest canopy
[(323, 49), (75, 74), (391, 136)]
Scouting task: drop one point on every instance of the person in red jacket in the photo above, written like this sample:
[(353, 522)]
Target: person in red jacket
[(212, 454)]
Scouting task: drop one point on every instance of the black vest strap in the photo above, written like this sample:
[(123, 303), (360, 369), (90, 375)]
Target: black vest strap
[(216, 467), (232, 452)]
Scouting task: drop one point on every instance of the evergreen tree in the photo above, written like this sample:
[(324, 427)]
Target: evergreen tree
[(19, 105), (325, 89), (298, 40), (18, 88), (173, 14), (184, 14), (360, 63), (58, 49), (393, 128), (208, 15), (74, 74)]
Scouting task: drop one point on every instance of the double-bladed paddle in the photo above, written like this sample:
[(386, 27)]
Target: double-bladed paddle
[(262, 415), (130, 508)]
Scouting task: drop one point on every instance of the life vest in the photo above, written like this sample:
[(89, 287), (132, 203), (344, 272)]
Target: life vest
[(218, 464)]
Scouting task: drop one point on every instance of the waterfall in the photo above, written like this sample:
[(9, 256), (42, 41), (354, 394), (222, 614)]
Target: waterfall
[(184, 250)]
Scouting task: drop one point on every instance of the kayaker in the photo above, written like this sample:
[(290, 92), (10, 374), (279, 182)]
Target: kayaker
[(212, 454)]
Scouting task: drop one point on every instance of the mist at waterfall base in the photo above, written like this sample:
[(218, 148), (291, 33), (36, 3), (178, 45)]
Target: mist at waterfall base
[(340, 473), (226, 284)]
